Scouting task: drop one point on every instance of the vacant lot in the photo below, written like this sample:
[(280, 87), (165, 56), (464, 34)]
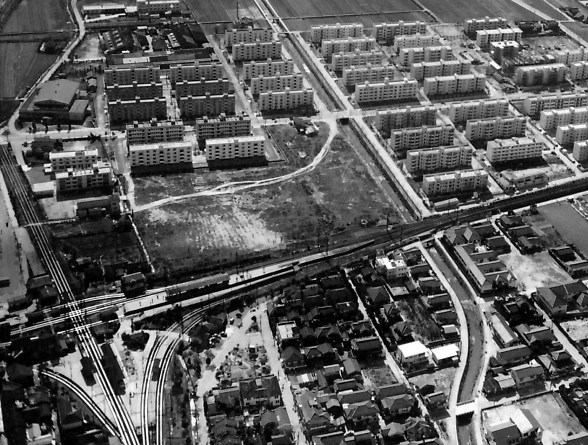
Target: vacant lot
[(311, 8), (211, 11), (577, 330), (547, 8), (536, 270), (550, 411), (442, 379), (299, 149), (374, 377), (7, 107), (38, 16), (568, 222), (420, 319), (367, 19), (453, 11)]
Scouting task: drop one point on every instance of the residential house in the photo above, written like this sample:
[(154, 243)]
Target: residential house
[(275, 423), (527, 374), (430, 285), (332, 372), (367, 346), (328, 333), (391, 390), (402, 332), (436, 400), (322, 353), (417, 430), (393, 433), (398, 405), (557, 300), (498, 244), (499, 384), (513, 355), (445, 316), (503, 334), (292, 358), (332, 282), (339, 295), (352, 370), (227, 397), (391, 312), (537, 338), (260, 392), (377, 296), (361, 412), (503, 433), (314, 419), (287, 333), (307, 336), (438, 301), (446, 355), (413, 354), (351, 396), (347, 385), (527, 424)]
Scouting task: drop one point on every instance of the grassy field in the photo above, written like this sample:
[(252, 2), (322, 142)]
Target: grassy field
[(224, 11), (300, 24), (420, 319), (38, 16), (292, 143), (311, 8), (568, 222), (454, 11)]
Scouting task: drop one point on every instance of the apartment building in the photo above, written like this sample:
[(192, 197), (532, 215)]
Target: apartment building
[(340, 61), (231, 148), (485, 37), (460, 112), (257, 51), (579, 70), (415, 41), (408, 117), (550, 119), (73, 180), (388, 90), (533, 105), (172, 156), (404, 139), (137, 110), (248, 35), (473, 25), (286, 100), (222, 126), (126, 76), (580, 151), (387, 32), (457, 84), (203, 86), (440, 158), (570, 56), (335, 31), (134, 90), (504, 49), (82, 159), (568, 134), (196, 71), (346, 45), (454, 182), (421, 70), (517, 148), (158, 6), (369, 73), (500, 127), (268, 68), (408, 56), (277, 82), (154, 131), (540, 74), (207, 105)]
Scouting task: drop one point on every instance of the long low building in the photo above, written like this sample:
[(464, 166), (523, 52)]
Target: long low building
[(196, 71), (134, 90), (415, 41), (277, 82), (550, 119), (455, 182), (387, 32), (231, 148), (222, 126), (457, 84), (203, 86), (473, 25), (389, 90), (248, 35), (421, 137), (267, 68), (533, 105), (318, 33), (568, 134), (345, 45), (460, 112), (356, 58), (257, 51), (439, 158), (154, 131), (500, 127), (79, 159), (137, 110), (368, 73), (409, 56), (208, 105), (422, 70), (505, 150), (161, 156), (408, 117), (99, 176), (286, 100), (484, 37)]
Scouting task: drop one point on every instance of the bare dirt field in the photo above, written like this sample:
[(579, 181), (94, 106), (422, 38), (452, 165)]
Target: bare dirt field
[(367, 19), (537, 270), (211, 11), (576, 329), (38, 16), (310, 8), (453, 11), (548, 8), (551, 412), (442, 379), (568, 222)]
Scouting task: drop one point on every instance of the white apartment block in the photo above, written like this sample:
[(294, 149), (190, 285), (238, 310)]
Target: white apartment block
[(154, 131), (126, 76), (473, 25), (421, 70), (158, 6), (455, 182), (540, 74), (81, 159), (550, 119), (580, 151), (570, 56), (533, 105), (389, 90), (222, 126), (579, 70), (440, 158), (368, 73), (421, 137), (454, 85), (408, 56), (500, 127), (346, 45), (463, 111), (485, 37), (335, 31), (415, 41), (504, 49), (568, 134), (231, 148), (207, 105), (249, 35), (408, 117), (387, 32), (70, 180), (160, 153), (340, 61), (257, 51), (134, 90), (277, 82), (504, 150), (268, 68), (202, 86), (196, 71), (137, 110), (286, 100)]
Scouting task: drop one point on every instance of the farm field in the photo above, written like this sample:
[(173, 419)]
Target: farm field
[(368, 20), (36, 16), (548, 8), (568, 222), (453, 11), (310, 8), (580, 29), (211, 11)]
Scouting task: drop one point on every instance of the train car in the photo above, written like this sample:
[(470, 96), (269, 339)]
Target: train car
[(156, 369), (35, 317), (197, 288)]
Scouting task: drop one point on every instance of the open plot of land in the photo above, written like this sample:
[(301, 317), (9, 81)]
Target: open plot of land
[(299, 149), (453, 11), (547, 8), (576, 329), (551, 412), (367, 19), (212, 11), (442, 379), (419, 318), (311, 8), (38, 16), (374, 377), (581, 29), (568, 222), (536, 270)]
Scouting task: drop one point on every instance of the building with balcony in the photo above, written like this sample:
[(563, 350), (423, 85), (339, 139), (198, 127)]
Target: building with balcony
[(122, 111), (550, 119), (386, 91), (134, 90), (78, 160), (405, 139), (267, 68), (415, 41), (248, 35), (579, 70), (464, 181), (533, 105), (319, 33), (457, 84), (500, 127), (154, 131), (580, 151), (438, 159), (507, 49), (409, 56), (460, 112), (126, 76), (161, 157), (145, 7), (340, 61), (222, 127), (548, 74), (207, 105), (99, 176), (286, 100), (408, 117), (203, 86), (241, 151), (257, 51), (277, 82), (196, 71), (346, 45), (368, 73), (387, 32), (421, 70), (514, 149), (485, 37), (568, 134), (473, 25)]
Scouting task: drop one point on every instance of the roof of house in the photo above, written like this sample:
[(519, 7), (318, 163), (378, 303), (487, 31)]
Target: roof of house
[(445, 352), (577, 439), (351, 396), (394, 403), (504, 432), (291, 354), (60, 92), (377, 295), (393, 429), (525, 421), (412, 349), (393, 389), (526, 370), (367, 344), (351, 366), (345, 384), (361, 409), (513, 353)]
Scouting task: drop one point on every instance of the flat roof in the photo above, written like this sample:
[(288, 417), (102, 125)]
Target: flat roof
[(160, 145), (61, 91), (445, 351), (252, 138), (412, 349)]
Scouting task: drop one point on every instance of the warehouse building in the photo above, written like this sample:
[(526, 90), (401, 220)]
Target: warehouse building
[(408, 117), (248, 35), (196, 71), (154, 131), (415, 41), (440, 158), (389, 90), (346, 45), (58, 100), (514, 149), (495, 128), (547, 74), (533, 105), (455, 182), (457, 84), (207, 105), (286, 100), (134, 90), (277, 82), (387, 32), (421, 70), (568, 134), (473, 25), (550, 119), (409, 56), (340, 61), (137, 110), (268, 68), (257, 51), (335, 31), (460, 112), (222, 126), (146, 7), (369, 73), (203, 86), (161, 157), (405, 139)]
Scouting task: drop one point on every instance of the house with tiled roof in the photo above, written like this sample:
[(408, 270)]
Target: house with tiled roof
[(556, 300), (367, 346), (377, 296), (361, 412), (391, 390), (398, 405), (349, 396), (527, 374), (346, 385), (351, 369), (513, 355), (292, 358), (261, 391)]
